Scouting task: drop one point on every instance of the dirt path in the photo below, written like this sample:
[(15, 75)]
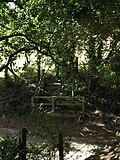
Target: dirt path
[(91, 135), (80, 151)]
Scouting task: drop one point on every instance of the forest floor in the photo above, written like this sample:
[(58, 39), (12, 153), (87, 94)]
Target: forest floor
[(93, 133)]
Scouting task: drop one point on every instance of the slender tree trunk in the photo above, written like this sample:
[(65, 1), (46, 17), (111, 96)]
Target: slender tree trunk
[(39, 68)]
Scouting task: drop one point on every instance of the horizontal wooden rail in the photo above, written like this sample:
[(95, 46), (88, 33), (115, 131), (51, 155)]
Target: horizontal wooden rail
[(60, 104), (58, 97), (64, 101)]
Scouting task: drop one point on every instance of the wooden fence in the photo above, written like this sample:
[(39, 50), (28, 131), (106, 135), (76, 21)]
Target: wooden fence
[(55, 101)]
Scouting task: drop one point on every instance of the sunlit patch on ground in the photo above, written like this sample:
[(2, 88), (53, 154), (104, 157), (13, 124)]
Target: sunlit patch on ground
[(80, 151)]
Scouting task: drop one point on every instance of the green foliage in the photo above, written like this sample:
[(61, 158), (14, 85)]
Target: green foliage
[(1, 83), (15, 99), (46, 150), (8, 147), (62, 31), (29, 75), (16, 105)]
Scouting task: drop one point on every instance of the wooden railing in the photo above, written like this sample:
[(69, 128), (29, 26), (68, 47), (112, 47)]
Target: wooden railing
[(55, 101)]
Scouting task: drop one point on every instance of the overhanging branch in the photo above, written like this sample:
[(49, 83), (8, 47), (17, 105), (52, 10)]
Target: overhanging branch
[(14, 54), (41, 43), (43, 52), (45, 49)]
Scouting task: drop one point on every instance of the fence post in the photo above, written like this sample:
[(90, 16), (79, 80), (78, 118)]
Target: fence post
[(61, 155), (2, 153), (53, 103), (22, 143)]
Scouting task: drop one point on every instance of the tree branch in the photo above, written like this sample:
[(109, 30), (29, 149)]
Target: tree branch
[(26, 50), (12, 55), (41, 44)]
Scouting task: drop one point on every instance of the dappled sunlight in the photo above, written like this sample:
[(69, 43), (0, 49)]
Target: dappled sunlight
[(1, 74), (11, 5), (99, 124), (80, 151), (59, 78), (86, 139)]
